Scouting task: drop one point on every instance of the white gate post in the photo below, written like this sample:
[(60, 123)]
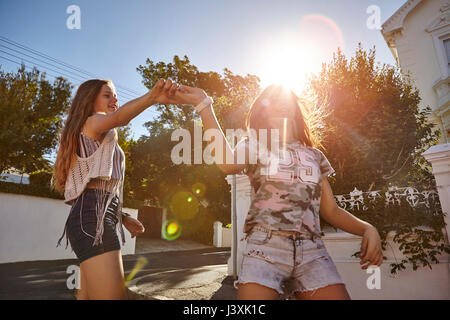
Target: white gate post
[(439, 157), (217, 239), (242, 204)]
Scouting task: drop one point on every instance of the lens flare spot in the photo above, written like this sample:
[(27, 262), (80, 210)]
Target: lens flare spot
[(184, 205), (140, 263), (171, 230), (199, 189)]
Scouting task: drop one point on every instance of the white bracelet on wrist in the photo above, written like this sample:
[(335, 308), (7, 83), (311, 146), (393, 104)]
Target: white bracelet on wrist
[(202, 105)]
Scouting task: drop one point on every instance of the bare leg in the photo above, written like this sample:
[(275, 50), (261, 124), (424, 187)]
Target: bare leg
[(331, 292), (254, 291), (104, 276)]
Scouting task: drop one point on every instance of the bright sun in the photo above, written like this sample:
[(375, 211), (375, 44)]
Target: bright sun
[(287, 64), (289, 56)]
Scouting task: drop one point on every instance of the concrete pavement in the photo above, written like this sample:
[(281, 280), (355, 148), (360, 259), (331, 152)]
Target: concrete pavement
[(182, 270), (177, 270), (202, 283)]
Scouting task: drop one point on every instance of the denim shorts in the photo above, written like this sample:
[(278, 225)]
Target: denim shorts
[(82, 223), (287, 262)]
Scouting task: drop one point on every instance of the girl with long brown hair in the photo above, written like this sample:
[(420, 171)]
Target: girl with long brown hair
[(89, 171), (290, 188)]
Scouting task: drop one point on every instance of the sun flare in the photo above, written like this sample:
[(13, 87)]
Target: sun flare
[(290, 57), (288, 65)]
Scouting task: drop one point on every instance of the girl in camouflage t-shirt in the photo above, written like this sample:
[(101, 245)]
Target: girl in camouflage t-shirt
[(290, 189)]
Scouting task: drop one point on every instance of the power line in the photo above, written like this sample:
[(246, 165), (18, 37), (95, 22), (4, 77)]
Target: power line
[(71, 76), (38, 65), (10, 42), (45, 56), (86, 78), (46, 72)]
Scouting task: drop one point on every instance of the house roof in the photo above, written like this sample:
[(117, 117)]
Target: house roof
[(395, 22)]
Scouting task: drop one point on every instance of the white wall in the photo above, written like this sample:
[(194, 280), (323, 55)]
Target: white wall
[(227, 236), (31, 226), (422, 283), (222, 236)]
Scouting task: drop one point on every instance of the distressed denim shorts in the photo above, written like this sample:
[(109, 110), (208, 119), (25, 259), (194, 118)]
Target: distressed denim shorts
[(286, 262), (82, 223)]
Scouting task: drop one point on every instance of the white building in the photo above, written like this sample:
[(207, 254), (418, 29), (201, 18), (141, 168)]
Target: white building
[(418, 35)]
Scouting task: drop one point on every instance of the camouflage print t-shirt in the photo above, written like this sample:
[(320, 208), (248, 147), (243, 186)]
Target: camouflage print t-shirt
[(288, 198)]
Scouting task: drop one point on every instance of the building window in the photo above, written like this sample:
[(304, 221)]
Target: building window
[(447, 50)]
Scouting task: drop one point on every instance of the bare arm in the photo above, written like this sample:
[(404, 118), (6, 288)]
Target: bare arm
[(209, 121), (101, 123), (194, 96), (371, 252), (337, 216)]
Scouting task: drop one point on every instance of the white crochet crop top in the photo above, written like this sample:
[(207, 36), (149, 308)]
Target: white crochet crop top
[(99, 165)]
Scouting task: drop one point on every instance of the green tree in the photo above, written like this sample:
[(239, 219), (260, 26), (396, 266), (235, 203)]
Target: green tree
[(231, 93), (375, 132), (31, 114), (374, 136)]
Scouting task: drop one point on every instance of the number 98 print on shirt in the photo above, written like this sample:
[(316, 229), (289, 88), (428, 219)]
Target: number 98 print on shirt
[(288, 198)]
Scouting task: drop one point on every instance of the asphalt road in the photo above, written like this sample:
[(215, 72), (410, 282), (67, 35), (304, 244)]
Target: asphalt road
[(41, 280)]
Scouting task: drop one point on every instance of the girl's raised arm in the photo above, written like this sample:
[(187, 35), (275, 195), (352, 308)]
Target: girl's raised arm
[(195, 96), (99, 123)]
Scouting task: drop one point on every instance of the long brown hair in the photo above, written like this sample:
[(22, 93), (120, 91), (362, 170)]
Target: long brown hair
[(308, 114), (81, 108)]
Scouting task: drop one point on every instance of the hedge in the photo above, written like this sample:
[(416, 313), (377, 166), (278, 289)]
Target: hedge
[(45, 192)]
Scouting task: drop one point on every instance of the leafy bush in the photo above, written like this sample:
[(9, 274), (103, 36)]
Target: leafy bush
[(29, 189), (40, 178), (40, 190)]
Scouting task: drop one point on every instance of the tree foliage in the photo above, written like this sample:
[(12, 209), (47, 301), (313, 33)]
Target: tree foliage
[(376, 131), (231, 93), (374, 137), (31, 114)]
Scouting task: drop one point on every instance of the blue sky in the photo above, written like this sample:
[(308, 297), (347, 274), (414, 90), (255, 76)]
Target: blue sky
[(246, 36)]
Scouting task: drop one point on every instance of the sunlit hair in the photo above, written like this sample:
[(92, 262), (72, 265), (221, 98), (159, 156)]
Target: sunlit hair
[(308, 116), (81, 108)]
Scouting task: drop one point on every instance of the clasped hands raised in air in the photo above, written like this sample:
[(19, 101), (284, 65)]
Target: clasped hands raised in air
[(169, 92)]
